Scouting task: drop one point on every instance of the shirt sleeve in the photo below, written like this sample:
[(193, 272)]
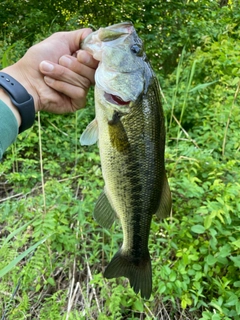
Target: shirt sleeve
[(8, 127)]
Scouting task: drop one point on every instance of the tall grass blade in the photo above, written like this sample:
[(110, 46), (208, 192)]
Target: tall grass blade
[(6, 61), (14, 262), (178, 73), (202, 86), (15, 232), (187, 90), (229, 119)]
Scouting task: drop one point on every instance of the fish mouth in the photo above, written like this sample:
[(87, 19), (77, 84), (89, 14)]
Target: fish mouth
[(115, 99)]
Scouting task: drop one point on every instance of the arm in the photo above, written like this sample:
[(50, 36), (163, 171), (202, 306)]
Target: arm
[(8, 123), (57, 76)]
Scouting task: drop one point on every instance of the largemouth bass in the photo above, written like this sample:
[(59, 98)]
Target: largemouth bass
[(129, 128)]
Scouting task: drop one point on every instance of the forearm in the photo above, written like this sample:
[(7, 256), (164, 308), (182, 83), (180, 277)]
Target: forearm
[(10, 121), (20, 98), (29, 83), (8, 125), (5, 98)]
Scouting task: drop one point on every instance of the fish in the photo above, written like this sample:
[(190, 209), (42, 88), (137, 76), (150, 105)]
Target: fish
[(130, 131)]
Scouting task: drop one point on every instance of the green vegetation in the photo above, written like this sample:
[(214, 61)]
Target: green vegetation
[(52, 252)]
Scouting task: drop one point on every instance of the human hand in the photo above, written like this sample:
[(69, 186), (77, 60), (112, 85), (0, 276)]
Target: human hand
[(55, 73)]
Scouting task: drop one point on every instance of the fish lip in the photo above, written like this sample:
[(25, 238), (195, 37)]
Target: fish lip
[(114, 99)]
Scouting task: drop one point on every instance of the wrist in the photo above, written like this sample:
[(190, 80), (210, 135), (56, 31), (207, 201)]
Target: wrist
[(15, 72), (19, 100)]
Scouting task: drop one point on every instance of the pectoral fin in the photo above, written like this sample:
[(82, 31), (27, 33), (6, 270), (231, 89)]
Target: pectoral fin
[(165, 205), (103, 211), (90, 134)]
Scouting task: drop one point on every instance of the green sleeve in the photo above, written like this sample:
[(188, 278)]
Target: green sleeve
[(8, 127)]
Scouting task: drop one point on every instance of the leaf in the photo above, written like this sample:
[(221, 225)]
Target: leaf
[(172, 276), (186, 301), (225, 251), (199, 229), (202, 86), (138, 305), (162, 289), (211, 260), (238, 307), (236, 261), (236, 243), (216, 305), (51, 281), (208, 222), (235, 81), (232, 301), (236, 284)]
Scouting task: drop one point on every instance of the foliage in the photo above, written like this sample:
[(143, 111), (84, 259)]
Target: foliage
[(196, 252)]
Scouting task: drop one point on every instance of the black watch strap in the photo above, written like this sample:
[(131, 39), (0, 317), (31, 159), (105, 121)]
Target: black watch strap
[(21, 99)]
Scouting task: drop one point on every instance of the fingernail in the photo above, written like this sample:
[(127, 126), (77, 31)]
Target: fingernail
[(46, 66), (65, 61), (83, 57)]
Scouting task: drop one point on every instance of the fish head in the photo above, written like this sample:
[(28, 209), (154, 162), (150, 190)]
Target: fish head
[(122, 74)]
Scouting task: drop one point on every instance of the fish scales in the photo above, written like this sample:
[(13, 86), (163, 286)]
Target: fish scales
[(131, 137)]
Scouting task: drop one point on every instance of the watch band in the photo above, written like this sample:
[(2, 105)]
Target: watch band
[(21, 99)]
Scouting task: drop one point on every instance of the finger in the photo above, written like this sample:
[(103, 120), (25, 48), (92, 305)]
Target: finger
[(79, 36), (80, 68), (87, 59), (75, 93), (82, 78), (74, 38)]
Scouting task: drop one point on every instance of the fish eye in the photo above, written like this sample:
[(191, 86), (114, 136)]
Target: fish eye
[(136, 49)]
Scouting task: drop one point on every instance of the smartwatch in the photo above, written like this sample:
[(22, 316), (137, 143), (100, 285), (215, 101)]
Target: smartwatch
[(21, 99)]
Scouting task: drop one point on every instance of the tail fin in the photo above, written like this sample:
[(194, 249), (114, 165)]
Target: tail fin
[(139, 274)]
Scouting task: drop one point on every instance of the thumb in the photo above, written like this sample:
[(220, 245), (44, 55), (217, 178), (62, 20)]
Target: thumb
[(74, 38)]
